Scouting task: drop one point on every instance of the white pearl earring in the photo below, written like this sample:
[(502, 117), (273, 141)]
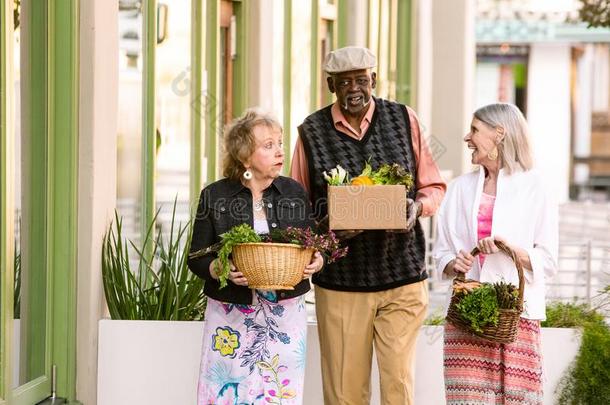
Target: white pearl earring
[(247, 174)]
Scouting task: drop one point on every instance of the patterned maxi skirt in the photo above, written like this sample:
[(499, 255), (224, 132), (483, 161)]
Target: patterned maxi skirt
[(479, 372), (253, 354)]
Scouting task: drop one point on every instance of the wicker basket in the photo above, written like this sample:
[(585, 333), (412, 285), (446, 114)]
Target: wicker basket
[(508, 321), (271, 266)]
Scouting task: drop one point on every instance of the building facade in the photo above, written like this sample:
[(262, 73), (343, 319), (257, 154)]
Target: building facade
[(120, 105)]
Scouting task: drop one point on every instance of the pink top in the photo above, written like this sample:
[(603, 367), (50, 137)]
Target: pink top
[(484, 219)]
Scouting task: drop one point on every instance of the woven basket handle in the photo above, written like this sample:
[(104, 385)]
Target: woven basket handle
[(510, 253)]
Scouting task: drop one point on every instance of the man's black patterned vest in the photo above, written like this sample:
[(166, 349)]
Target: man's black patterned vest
[(377, 260)]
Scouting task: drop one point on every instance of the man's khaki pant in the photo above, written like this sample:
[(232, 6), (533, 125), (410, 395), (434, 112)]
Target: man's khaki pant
[(349, 323)]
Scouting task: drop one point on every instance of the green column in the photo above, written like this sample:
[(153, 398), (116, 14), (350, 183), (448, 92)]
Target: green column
[(50, 152), (36, 276), (315, 60), (240, 63), (404, 80), (197, 105), (287, 83), (149, 130), (210, 99), (6, 199), (62, 177)]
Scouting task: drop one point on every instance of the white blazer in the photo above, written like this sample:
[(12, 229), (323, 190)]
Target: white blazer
[(523, 215)]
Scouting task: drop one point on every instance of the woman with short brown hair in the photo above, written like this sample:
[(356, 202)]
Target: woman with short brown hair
[(254, 341)]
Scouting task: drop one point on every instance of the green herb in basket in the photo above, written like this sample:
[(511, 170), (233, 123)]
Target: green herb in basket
[(508, 295), (480, 307), (238, 234), (327, 244)]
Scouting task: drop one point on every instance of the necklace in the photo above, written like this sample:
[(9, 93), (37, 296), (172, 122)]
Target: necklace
[(258, 204)]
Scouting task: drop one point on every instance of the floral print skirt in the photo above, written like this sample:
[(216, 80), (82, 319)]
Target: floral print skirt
[(253, 354)]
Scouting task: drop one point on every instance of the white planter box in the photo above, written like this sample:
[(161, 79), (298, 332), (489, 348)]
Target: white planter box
[(16, 346), (156, 362)]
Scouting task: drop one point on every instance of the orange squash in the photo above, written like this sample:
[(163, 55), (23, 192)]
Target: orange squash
[(362, 181)]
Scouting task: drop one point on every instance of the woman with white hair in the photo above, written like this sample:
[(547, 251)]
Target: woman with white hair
[(503, 200)]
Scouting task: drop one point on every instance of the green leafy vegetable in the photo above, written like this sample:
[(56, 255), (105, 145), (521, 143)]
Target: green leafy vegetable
[(393, 174), (238, 234), (480, 307)]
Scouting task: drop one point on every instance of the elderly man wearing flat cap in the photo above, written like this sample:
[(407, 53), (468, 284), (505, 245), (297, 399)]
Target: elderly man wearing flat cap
[(378, 294)]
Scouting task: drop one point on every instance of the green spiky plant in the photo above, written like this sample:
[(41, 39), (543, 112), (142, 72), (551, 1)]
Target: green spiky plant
[(162, 287), (17, 285), (16, 13)]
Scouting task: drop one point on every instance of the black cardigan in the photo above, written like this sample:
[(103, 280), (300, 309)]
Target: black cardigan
[(227, 203)]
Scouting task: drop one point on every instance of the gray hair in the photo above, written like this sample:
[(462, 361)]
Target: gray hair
[(514, 150)]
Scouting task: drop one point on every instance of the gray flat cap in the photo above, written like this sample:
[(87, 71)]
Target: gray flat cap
[(348, 59)]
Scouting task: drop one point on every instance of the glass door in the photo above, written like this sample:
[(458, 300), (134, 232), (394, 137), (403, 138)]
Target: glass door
[(25, 122), (38, 156)]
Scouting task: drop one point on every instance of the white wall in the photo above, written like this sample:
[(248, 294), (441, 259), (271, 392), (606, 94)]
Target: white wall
[(97, 167), (583, 100), (423, 63), (453, 79), (357, 10), (548, 113), (601, 78), (265, 55), (130, 375), (301, 66), (487, 83)]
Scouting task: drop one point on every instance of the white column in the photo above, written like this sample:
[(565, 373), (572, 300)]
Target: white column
[(454, 58), (601, 78), (583, 102), (97, 176), (357, 11), (548, 113), (301, 67), (423, 62), (265, 55)]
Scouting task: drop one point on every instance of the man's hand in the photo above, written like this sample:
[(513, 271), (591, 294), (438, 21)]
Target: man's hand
[(345, 235), (414, 210)]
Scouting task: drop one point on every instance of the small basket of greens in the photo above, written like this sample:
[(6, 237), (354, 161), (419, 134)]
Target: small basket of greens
[(275, 261), (490, 311)]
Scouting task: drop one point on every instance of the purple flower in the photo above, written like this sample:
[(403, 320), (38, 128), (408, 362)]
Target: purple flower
[(327, 244)]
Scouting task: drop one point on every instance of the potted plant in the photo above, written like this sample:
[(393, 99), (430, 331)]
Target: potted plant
[(156, 308), (587, 380), (162, 287)]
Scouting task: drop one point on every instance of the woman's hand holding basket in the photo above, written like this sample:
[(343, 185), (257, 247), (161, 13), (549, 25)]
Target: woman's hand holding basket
[(314, 266)]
